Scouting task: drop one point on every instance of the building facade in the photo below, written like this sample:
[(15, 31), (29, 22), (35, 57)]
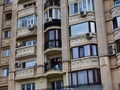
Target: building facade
[(60, 44)]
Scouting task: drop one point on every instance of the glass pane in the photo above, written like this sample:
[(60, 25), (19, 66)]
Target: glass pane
[(87, 50), (118, 21), (82, 77), (79, 29), (84, 5), (92, 25), (5, 72), (94, 50), (75, 7), (75, 52), (80, 6), (74, 79), (90, 77), (71, 9), (23, 87), (28, 87), (51, 35), (117, 2), (30, 64), (81, 52)]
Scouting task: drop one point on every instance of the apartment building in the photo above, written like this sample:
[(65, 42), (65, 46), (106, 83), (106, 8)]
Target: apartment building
[(60, 44)]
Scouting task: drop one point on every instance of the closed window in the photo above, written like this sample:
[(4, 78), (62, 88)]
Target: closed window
[(9, 1), (30, 43), (85, 77), (117, 2), (29, 86), (82, 28), (28, 21), (57, 85), (84, 5), (84, 51), (5, 72), (6, 52), (7, 34), (116, 22)]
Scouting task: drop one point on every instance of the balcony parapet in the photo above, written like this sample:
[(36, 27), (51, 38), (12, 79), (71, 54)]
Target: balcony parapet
[(3, 81), (115, 11)]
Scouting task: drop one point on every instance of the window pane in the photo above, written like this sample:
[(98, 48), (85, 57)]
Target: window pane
[(82, 77), (75, 52), (80, 6), (81, 52), (5, 72), (30, 64), (74, 79), (90, 77), (84, 5), (23, 87), (118, 21), (51, 35), (94, 50), (28, 87), (71, 9), (117, 2), (92, 25), (79, 29), (76, 8), (87, 50)]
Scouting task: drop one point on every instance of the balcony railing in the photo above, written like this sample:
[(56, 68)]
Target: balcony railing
[(48, 67), (92, 87), (53, 22), (25, 73), (5, 42), (24, 32), (27, 11), (4, 61), (25, 51), (53, 44), (3, 81)]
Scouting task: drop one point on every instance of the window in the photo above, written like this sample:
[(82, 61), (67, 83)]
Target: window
[(117, 2), (85, 77), (29, 86), (9, 1), (8, 16), (82, 28), (52, 14), (84, 51), (7, 34), (116, 22), (5, 72), (57, 85), (118, 46), (6, 52), (28, 21), (84, 5), (28, 64), (53, 38)]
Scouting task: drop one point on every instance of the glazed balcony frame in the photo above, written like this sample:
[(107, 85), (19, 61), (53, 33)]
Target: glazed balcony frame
[(55, 44), (25, 51), (25, 73), (53, 22), (26, 32), (3, 81), (27, 11)]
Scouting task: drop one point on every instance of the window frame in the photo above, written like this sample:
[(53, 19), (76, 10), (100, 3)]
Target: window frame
[(90, 48), (5, 72), (25, 86), (6, 52)]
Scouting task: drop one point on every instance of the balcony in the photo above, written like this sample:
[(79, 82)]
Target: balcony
[(6, 23), (3, 81), (5, 42), (25, 32), (117, 33), (4, 61), (53, 22), (53, 46), (84, 63), (27, 11), (25, 73), (25, 51), (8, 7), (115, 11)]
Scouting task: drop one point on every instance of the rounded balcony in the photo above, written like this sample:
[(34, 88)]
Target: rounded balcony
[(115, 11)]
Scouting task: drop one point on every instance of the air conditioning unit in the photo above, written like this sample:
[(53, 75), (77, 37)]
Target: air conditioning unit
[(83, 13), (17, 64), (89, 35), (111, 49)]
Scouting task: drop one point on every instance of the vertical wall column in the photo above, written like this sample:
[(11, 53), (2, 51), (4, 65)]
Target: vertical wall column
[(11, 82), (40, 38), (1, 17), (65, 38), (102, 46)]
